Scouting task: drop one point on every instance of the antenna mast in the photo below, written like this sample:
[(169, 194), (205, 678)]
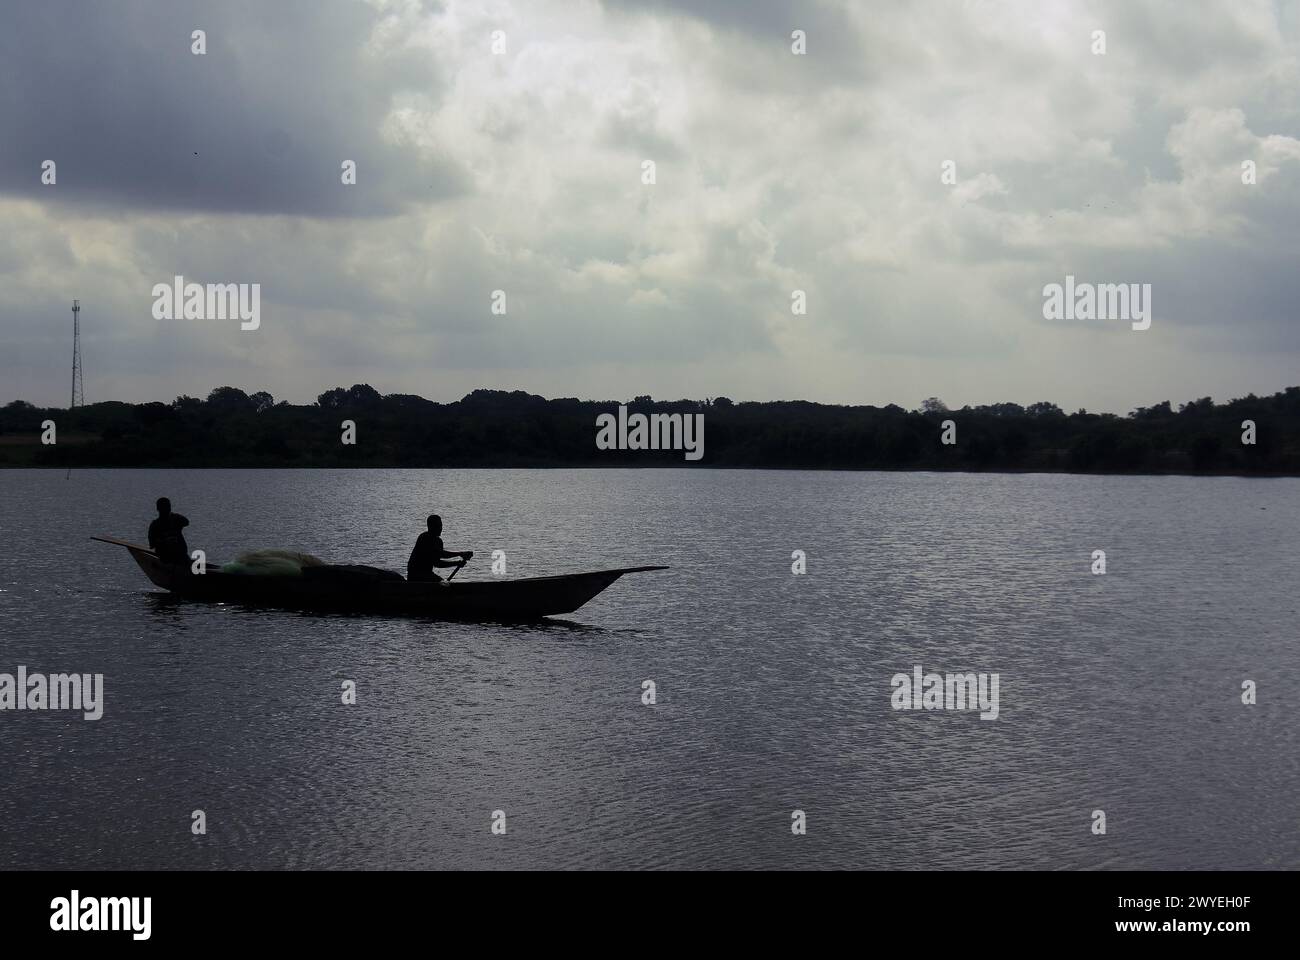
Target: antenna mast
[(78, 387)]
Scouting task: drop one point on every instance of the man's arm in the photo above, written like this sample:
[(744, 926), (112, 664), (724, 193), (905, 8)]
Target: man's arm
[(443, 560), (181, 520)]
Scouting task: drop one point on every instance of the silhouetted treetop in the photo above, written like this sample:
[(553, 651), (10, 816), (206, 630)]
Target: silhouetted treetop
[(229, 398)]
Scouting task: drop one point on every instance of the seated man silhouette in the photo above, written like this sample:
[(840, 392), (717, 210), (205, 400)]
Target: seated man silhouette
[(165, 535), (429, 553)]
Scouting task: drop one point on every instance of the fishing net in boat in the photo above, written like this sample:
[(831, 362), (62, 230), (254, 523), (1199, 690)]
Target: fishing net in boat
[(349, 574), (271, 563)]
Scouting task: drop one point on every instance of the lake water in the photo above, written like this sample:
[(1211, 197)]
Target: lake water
[(1119, 692)]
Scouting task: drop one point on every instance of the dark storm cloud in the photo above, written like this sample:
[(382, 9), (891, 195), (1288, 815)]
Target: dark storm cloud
[(261, 123)]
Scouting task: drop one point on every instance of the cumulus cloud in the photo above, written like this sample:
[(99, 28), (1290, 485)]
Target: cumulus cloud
[(523, 171)]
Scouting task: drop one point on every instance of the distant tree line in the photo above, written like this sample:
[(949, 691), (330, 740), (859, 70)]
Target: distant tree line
[(494, 428)]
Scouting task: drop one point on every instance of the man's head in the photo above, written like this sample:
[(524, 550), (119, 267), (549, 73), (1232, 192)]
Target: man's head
[(164, 506), (435, 524)]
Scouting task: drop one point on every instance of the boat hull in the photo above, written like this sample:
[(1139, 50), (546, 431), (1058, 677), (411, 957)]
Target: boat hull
[(525, 599)]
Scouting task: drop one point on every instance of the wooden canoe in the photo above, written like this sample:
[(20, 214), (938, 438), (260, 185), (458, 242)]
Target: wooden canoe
[(344, 589)]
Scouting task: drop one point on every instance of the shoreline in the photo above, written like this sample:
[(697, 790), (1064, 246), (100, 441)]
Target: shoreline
[(1004, 471)]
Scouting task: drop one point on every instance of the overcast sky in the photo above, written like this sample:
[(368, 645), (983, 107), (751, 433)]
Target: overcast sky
[(522, 171)]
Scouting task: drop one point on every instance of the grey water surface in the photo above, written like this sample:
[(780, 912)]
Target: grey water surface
[(1120, 692)]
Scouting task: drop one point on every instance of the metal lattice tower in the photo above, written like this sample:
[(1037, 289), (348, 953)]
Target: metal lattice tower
[(78, 387)]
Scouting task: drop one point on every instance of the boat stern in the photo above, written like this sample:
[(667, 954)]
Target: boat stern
[(160, 574)]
